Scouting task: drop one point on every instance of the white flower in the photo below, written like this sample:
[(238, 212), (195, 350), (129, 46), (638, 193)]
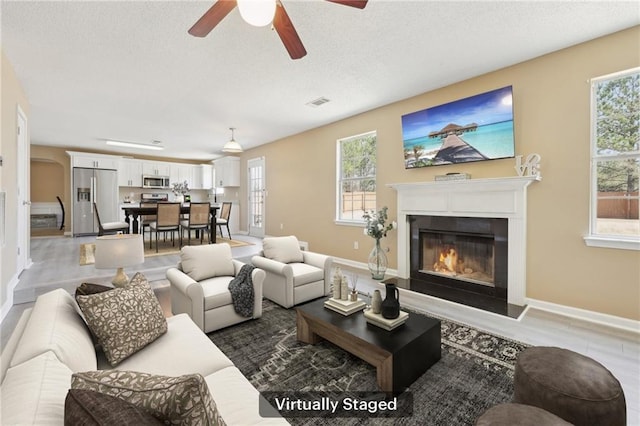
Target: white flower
[(376, 226)]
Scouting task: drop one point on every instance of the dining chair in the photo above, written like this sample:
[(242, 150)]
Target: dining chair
[(109, 227), (198, 219), (223, 219), (168, 221), (147, 219)]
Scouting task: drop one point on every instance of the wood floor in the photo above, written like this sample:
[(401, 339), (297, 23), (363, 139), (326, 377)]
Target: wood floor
[(56, 265)]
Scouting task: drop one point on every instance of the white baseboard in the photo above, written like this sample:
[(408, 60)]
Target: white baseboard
[(585, 315), (361, 265), (8, 304)]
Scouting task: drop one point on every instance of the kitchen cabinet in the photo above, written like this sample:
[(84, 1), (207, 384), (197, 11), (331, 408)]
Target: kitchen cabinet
[(130, 172), (156, 168), (227, 171), (203, 176), (181, 172), (93, 161)]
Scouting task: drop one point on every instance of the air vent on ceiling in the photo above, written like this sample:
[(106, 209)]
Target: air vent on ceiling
[(318, 102)]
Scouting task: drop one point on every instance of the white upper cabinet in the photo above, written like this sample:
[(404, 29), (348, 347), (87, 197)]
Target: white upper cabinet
[(130, 172), (93, 161), (227, 171), (156, 168), (181, 172), (203, 177)]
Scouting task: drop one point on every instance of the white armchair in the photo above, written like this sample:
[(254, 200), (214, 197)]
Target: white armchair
[(293, 276), (200, 286)]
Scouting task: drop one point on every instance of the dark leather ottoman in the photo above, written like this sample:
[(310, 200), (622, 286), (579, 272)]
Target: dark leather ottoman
[(572, 386), (519, 415)]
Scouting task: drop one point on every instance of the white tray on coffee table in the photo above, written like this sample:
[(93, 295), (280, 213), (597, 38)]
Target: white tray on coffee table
[(388, 324)]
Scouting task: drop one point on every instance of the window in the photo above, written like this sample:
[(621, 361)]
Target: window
[(615, 160), (356, 177)]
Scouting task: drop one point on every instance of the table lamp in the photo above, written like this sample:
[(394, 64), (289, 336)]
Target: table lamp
[(119, 251)]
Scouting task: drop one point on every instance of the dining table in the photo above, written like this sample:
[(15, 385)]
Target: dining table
[(133, 213)]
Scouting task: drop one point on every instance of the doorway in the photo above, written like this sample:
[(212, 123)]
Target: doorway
[(256, 188), (47, 212)]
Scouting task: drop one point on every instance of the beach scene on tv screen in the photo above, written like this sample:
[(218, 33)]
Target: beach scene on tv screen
[(471, 129)]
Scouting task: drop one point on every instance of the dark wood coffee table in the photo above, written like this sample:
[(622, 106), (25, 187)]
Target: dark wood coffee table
[(400, 356)]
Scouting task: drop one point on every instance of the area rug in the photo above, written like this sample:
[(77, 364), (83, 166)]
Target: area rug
[(87, 250), (474, 373)]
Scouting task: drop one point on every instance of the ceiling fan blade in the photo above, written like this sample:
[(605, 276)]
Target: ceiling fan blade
[(360, 4), (286, 31), (212, 17)]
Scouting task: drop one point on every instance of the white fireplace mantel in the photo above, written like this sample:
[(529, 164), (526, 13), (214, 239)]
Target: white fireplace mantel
[(492, 198)]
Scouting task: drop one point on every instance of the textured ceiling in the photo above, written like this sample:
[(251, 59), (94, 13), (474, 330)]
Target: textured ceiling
[(129, 70)]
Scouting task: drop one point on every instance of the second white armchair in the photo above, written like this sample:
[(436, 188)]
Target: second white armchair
[(293, 276)]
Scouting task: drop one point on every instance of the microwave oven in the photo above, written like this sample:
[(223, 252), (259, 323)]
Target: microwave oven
[(155, 181)]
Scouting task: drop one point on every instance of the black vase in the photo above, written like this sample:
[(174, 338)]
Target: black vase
[(391, 304)]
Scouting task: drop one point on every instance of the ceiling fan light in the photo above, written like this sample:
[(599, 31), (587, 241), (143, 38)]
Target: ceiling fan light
[(257, 12)]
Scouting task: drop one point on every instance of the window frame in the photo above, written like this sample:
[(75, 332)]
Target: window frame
[(339, 178), (595, 239)]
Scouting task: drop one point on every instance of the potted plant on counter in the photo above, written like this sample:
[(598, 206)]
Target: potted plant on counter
[(179, 190)]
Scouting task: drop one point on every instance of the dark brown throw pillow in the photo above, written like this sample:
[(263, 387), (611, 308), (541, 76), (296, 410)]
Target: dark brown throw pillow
[(87, 407), (86, 289), (89, 288)]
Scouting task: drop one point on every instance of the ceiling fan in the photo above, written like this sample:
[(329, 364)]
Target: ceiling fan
[(279, 19)]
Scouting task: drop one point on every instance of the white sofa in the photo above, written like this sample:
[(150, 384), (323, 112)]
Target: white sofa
[(51, 341)]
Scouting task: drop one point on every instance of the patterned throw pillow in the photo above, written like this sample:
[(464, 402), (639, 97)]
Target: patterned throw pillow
[(182, 400), (85, 407), (124, 320)]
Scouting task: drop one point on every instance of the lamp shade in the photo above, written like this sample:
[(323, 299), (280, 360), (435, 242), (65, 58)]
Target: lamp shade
[(119, 251)]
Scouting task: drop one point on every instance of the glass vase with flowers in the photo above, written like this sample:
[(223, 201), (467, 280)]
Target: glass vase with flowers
[(377, 228)]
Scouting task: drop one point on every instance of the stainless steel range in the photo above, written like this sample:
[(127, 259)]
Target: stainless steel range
[(146, 197)]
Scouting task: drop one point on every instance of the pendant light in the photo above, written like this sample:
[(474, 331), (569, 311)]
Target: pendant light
[(232, 146)]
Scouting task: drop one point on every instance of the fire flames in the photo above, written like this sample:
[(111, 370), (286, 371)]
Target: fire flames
[(449, 262)]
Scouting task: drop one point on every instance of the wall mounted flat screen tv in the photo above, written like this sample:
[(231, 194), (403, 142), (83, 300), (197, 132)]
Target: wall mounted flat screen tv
[(477, 128)]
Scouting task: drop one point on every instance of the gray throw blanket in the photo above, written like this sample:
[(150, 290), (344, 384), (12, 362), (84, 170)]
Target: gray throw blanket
[(241, 288)]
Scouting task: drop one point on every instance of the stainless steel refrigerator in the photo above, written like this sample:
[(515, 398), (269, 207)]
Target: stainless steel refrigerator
[(89, 186)]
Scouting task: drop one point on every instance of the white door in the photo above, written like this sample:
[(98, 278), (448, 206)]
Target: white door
[(23, 193), (256, 185)]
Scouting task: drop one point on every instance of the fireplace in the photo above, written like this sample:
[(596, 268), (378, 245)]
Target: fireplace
[(463, 253), (484, 218)]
